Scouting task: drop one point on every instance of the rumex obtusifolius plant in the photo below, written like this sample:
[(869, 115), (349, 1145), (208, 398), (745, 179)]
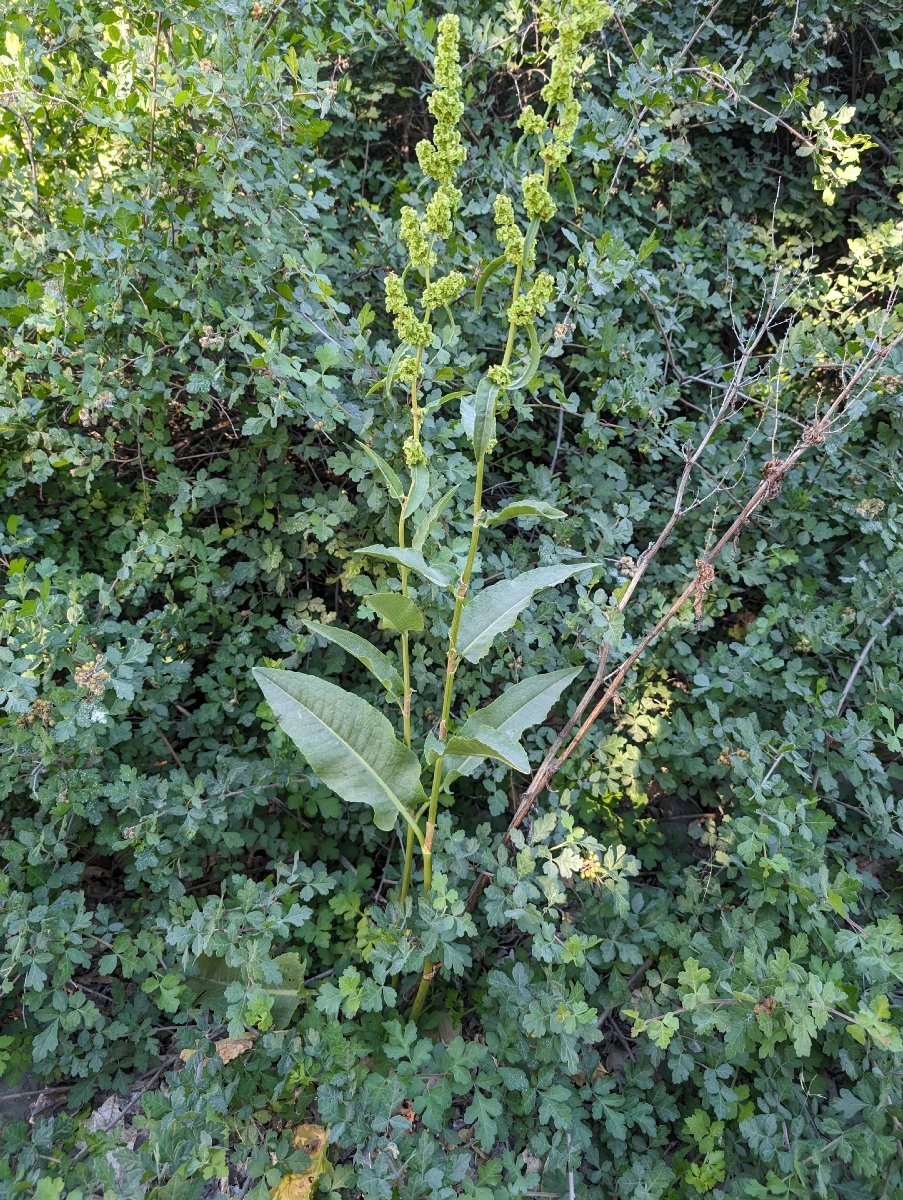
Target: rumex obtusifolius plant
[(351, 746)]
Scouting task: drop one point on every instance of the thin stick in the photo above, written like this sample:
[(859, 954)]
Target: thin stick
[(153, 111), (860, 661), (28, 141)]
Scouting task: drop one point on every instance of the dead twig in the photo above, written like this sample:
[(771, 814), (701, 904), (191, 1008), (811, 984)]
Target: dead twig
[(860, 661)]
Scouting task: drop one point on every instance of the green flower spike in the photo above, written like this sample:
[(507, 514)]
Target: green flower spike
[(507, 231), (442, 158), (537, 201), (408, 328)]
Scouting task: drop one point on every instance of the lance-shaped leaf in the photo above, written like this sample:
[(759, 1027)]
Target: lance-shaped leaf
[(390, 478), (377, 663), (420, 485), (398, 611), (520, 707), (389, 379), (485, 275), (530, 238), (478, 417), (565, 177), (495, 609), (418, 541), (413, 560), (350, 746), (532, 364), (482, 741), (525, 508)]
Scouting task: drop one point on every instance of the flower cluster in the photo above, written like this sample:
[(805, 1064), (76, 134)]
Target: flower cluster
[(537, 201), (584, 17), (407, 370), (407, 326), (591, 868), (414, 453), (444, 291), (92, 677), (441, 159), (531, 122), (414, 237), (441, 209), (534, 301), (507, 230)]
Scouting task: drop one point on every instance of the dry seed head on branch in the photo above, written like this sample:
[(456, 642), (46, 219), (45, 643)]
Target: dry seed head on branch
[(705, 576)]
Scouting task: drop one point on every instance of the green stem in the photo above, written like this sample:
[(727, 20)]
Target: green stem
[(405, 647), (406, 714), (451, 666), (512, 328), (416, 418)]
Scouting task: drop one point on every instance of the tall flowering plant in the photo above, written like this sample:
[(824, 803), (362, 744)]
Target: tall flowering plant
[(353, 747)]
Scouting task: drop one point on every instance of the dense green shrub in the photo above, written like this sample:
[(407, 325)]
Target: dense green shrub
[(201, 204)]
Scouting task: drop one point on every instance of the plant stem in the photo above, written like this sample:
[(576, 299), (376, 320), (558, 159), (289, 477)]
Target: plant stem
[(406, 714), (512, 329), (451, 666), (416, 418), (405, 645)]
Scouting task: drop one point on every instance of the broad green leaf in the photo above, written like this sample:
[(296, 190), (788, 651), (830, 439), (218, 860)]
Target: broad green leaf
[(482, 741), (438, 400), (649, 245), (215, 976), (524, 704), (376, 662), (350, 746), (413, 560), (488, 271), (420, 484), (525, 508), (495, 609), (520, 707), (478, 417), (390, 478), (288, 994), (398, 611), (418, 541)]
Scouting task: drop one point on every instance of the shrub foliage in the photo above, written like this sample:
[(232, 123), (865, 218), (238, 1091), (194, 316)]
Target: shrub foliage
[(669, 962)]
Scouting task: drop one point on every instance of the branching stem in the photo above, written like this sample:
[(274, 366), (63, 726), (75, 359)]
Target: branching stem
[(451, 665)]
